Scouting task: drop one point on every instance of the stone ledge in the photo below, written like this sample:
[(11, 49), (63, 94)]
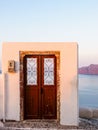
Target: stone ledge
[(88, 113)]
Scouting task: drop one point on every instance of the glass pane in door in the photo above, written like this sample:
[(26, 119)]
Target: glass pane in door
[(31, 71), (48, 71)]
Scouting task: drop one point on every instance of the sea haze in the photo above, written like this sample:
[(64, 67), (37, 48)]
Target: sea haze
[(88, 91)]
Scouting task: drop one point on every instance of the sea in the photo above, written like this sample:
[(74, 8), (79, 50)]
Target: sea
[(88, 91)]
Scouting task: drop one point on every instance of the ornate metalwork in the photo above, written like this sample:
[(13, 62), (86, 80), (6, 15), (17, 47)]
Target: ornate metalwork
[(31, 71), (48, 71)]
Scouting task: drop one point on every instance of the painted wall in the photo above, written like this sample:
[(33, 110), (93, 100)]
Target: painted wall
[(68, 79), (1, 96)]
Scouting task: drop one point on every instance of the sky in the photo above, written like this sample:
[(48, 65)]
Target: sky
[(52, 21)]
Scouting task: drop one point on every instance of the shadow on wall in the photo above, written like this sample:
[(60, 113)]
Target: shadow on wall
[(1, 96), (4, 95), (6, 98)]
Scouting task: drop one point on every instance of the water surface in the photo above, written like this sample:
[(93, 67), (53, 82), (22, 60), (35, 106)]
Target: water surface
[(88, 91)]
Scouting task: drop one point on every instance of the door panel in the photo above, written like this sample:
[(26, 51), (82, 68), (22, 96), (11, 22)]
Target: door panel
[(49, 86), (32, 103), (31, 87), (40, 87), (49, 106)]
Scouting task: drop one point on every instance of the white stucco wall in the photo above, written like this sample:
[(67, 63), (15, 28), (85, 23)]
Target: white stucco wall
[(68, 79), (1, 96)]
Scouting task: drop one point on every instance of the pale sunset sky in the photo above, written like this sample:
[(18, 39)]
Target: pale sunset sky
[(52, 21)]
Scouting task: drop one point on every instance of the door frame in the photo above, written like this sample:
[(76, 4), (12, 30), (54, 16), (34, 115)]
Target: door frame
[(21, 56)]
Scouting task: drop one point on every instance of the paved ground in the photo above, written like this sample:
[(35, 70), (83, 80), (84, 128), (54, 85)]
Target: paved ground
[(84, 124)]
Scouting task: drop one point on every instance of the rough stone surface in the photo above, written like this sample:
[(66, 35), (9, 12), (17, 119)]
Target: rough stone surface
[(84, 124), (95, 113), (88, 124), (31, 125), (88, 113)]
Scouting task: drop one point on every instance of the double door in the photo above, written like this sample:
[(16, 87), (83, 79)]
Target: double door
[(40, 90)]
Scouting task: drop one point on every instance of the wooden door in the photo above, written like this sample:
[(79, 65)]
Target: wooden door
[(40, 91)]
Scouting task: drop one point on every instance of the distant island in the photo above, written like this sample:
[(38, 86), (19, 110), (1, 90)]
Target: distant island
[(92, 69)]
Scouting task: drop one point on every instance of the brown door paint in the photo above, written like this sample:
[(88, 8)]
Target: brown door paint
[(40, 89)]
